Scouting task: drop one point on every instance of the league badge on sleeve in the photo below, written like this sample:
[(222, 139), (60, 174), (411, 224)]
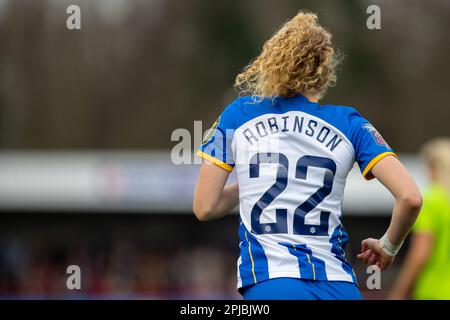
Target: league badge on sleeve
[(375, 134), (211, 131)]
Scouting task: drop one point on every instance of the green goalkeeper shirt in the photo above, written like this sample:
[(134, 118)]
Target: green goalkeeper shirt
[(434, 280)]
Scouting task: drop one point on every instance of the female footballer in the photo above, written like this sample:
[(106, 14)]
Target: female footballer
[(292, 156)]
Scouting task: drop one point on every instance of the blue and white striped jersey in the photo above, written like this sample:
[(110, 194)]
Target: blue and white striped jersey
[(292, 158)]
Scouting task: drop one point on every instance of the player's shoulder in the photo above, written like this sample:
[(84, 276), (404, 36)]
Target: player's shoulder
[(344, 118), (230, 113), (246, 103), (236, 106), (342, 111), (243, 109)]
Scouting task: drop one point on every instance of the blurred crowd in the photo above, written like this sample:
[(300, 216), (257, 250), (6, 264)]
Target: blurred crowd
[(136, 255), (124, 270)]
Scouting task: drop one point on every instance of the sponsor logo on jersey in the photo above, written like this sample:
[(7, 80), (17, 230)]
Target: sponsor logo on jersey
[(375, 134)]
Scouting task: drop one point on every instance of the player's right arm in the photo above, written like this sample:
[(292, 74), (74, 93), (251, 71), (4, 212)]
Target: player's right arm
[(212, 199), (408, 201)]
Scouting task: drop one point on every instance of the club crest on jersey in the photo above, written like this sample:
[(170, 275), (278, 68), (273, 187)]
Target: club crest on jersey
[(211, 131), (375, 134)]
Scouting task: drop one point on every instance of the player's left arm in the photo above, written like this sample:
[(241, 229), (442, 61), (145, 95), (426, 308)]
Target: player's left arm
[(213, 199), (408, 201)]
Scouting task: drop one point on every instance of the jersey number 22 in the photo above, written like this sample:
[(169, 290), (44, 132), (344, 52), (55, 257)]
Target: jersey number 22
[(301, 169)]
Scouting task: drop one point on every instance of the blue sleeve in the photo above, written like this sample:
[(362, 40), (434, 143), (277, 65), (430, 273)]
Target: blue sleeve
[(216, 146), (369, 145)]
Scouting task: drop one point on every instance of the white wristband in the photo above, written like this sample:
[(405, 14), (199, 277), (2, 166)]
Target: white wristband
[(387, 246)]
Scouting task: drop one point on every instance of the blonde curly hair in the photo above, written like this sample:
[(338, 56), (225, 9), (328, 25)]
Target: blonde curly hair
[(299, 58), (437, 154)]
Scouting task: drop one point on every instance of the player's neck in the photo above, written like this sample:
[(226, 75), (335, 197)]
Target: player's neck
[(311, 97)]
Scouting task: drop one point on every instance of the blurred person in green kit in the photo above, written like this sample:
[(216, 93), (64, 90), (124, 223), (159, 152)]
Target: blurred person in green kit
[(425, 273)]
